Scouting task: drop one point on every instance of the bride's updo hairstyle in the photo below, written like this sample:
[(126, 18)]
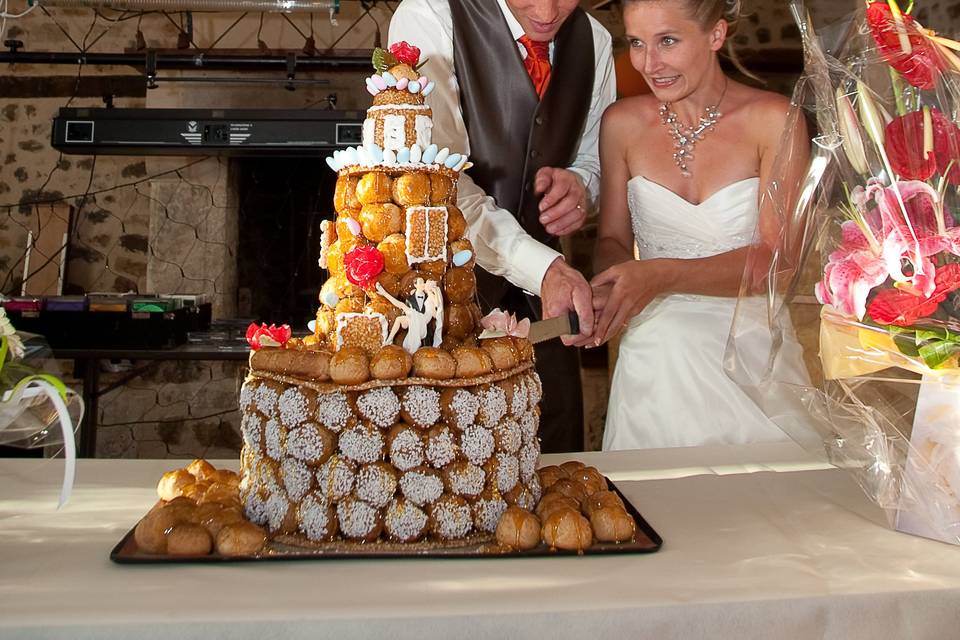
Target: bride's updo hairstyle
[(707, 13)]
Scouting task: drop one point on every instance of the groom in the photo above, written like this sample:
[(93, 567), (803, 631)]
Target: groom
[(521, 86)]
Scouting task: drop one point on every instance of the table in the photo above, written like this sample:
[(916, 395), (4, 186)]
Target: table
[(760, 541), (87, 366)]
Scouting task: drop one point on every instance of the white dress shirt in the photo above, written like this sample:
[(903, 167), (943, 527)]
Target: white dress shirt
[(501, 245)]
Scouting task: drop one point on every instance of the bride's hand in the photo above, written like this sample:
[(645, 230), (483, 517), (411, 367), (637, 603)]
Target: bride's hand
[(621, 292)]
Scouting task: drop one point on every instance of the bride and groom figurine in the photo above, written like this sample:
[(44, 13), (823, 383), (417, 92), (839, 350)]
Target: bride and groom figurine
[(679, 173)]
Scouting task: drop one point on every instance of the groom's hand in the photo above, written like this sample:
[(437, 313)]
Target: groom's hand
[(564, 289), (563, 207)]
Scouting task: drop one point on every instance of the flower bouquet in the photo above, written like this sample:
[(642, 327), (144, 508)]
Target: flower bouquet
[(880, 205), (33, 402)]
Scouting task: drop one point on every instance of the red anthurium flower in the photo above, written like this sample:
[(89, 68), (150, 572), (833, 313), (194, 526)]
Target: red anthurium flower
[(264, 336), (903, 308), (905, 143), (921, 67), (405, 53), (362, 265)]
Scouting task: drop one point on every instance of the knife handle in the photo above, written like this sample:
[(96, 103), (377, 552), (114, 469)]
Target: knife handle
[(574, 321)]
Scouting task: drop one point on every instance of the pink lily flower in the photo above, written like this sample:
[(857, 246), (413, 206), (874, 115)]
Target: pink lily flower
[(499, 323)]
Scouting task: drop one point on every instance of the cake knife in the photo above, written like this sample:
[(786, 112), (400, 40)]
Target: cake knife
[(568, 324)]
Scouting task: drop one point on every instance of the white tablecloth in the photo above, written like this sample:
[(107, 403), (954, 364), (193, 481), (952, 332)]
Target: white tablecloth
[(759, 542)]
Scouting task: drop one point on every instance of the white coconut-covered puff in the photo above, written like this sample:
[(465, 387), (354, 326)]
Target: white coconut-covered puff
[(316, 518), (508, 436), (421, 406), (404, 521), (336, 478), (477, 444), (529, 425), (376, 483), (493, 406), (379, 406), (534, 391), (450, 517), (255, 507), (333, 411), (310, 443), (521, 398), (407, 448), (297, 478), (265, 399), (359, 520), (528, 457), (536, 489), (362, 443), (487, 510), (251, 430), (441, 446), (276, 438), (421, 486), (294, 407), (465, 479), (246, 394), (279, 512), (460, 407), (506, 471)]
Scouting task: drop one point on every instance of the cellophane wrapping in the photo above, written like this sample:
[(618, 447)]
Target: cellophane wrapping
[(856, 265)]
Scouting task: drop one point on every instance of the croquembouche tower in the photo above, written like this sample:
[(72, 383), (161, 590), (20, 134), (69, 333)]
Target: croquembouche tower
[(406, 417)]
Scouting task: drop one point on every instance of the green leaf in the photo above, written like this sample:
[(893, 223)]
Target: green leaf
[(905, 340), (935, 354), (383, 60)]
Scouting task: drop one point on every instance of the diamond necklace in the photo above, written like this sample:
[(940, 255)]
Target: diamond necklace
[(685, 137)]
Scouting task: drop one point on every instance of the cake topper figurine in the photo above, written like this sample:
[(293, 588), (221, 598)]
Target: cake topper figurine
[(425, 304)]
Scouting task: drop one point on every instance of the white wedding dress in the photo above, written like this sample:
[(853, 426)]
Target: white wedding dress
[(669, 388)]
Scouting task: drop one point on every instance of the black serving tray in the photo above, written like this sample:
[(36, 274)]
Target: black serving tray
[(646, 540)]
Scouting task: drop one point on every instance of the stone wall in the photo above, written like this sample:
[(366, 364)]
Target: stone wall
[(168, 224)]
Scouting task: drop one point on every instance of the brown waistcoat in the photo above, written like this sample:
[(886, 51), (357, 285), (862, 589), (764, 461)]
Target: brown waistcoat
[(512, 132)]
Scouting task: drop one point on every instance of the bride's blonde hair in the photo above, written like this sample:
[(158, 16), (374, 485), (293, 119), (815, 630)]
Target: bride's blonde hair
[(707, 13)]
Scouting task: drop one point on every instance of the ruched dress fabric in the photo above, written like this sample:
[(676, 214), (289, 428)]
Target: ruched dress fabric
[(669, 388)]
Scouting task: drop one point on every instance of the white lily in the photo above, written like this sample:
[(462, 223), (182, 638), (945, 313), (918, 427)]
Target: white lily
[(850, 133)]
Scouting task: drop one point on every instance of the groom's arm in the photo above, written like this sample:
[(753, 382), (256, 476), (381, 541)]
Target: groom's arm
[(501, 245)]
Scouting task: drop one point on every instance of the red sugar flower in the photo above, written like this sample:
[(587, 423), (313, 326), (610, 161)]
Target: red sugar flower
[(362, 265), (264, 336), (405, 53), (921, 67)]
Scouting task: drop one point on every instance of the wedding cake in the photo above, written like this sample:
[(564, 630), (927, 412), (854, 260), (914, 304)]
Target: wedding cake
[(406, 416)]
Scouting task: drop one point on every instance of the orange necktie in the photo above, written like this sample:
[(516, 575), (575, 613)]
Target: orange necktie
[(537, 62)]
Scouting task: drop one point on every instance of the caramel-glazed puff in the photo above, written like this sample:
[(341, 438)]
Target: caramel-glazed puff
[(502, 351), (472, 362), (335, 257), (412, 189), (434, 267), (350, 305), (390, 282), (391, 363), (442, 190), (383, 307), (458, 246), (346, 225), (326, 322), (345, 196), (433, 363), (381, 220), (457, 322), (350, 365), (456, 223), (374, 187), (459, 285), (394, 250)]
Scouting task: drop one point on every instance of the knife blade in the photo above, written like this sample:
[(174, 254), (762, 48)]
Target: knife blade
[(564, 325)]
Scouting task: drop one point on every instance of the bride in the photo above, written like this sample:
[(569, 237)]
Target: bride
[(682, 174)]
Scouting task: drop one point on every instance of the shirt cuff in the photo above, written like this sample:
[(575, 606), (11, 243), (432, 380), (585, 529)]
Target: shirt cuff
[(530, 264)]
